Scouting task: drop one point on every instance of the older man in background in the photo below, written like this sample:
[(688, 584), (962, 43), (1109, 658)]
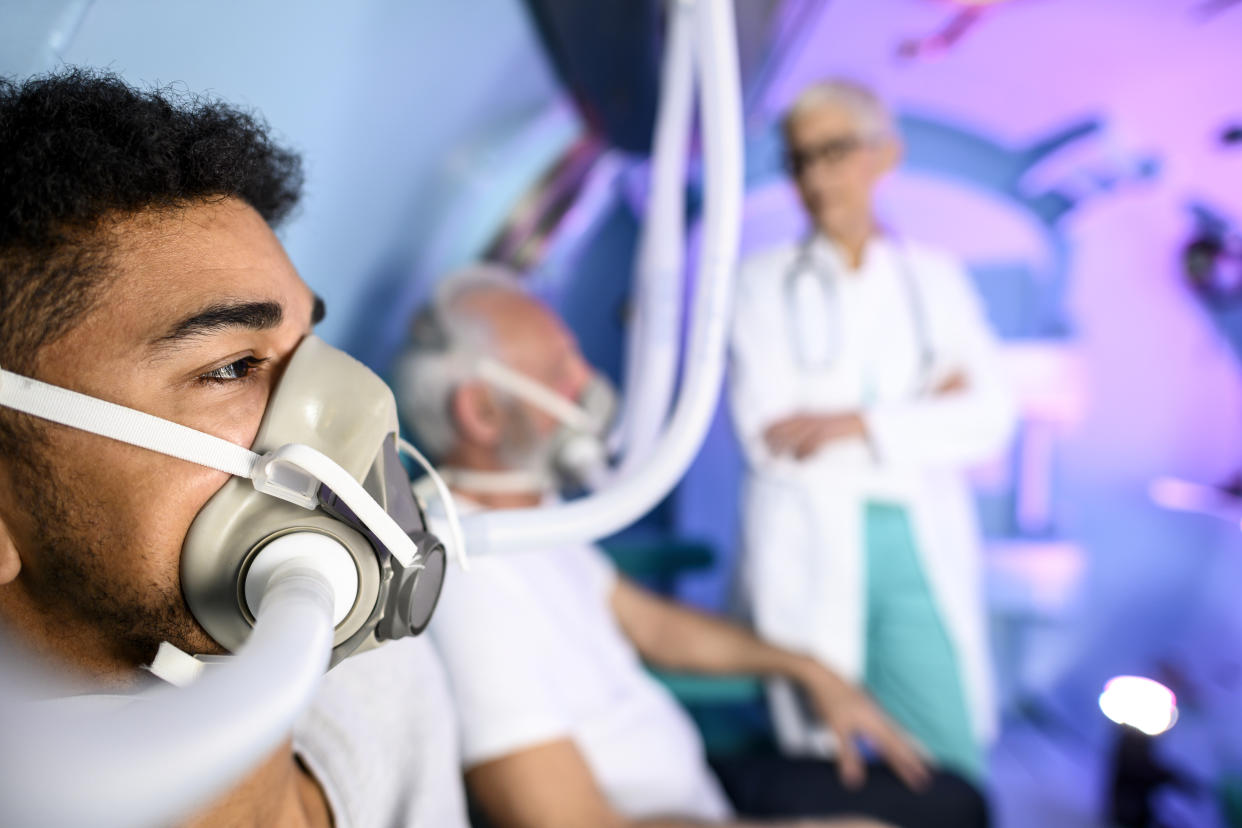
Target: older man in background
[(560, 724)]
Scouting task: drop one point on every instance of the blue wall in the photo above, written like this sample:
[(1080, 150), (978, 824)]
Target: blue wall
[(379, 97)]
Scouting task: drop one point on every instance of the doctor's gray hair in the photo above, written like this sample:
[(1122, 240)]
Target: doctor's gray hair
[(445, 339), (872, 116)]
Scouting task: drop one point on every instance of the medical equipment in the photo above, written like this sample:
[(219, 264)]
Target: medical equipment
[(328, 401), (578, 455), (170, 750), (635, 491), (444, 356), (654, 341), (807, 265)]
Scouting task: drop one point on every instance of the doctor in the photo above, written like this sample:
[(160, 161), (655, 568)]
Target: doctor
[(864, 380)]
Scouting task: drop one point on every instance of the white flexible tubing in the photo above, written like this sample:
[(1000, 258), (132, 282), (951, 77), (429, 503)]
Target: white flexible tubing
[(456, 547), (654, 338), (632, 495), (171, 751)]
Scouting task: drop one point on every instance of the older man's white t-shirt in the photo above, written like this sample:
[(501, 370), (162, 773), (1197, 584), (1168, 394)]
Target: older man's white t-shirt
[(381, 741), (534, 654)]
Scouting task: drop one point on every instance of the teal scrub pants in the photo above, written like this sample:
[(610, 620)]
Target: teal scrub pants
[(911, 667)]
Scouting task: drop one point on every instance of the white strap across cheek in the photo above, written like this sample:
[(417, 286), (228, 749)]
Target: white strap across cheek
[(60, 405), (292, 472), (535, 393)]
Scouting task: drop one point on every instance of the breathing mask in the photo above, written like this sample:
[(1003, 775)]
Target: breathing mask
[(578, 452), (324, 479)]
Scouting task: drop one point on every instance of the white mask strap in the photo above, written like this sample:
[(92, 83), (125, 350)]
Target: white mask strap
[(456, 536), (535, 393), (292, 473), (70, 408), (511, 481)]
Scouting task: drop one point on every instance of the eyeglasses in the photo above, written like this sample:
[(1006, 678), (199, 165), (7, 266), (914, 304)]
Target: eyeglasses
[(832, 151)]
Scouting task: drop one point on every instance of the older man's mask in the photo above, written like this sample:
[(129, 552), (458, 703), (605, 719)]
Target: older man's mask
[(324, 466), (577, 451)]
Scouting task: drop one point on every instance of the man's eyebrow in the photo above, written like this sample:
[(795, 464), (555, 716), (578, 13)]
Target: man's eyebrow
[(256, 316)]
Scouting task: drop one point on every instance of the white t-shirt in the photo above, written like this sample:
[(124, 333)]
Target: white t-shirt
[(381, 741), (534, 654)]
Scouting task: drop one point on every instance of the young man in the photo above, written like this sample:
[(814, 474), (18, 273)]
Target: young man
[(560, 724), (138, 265), (864, 380)]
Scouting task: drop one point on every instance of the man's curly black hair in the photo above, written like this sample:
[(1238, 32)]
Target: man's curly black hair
[(80, 148)]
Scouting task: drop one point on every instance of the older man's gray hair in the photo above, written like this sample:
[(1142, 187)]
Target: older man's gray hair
[(873, 119), (446, 339)]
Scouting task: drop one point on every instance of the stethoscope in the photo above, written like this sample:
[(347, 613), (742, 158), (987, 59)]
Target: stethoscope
[(804, 266)]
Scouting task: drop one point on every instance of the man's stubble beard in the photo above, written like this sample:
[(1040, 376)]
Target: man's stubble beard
[(73, 575)]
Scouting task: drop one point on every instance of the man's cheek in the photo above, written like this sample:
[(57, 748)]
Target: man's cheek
[(167, 501), (236, 420)]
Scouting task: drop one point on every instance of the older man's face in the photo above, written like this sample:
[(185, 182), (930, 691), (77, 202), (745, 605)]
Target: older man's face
[(835, 169), (196, 326), (531, 340)]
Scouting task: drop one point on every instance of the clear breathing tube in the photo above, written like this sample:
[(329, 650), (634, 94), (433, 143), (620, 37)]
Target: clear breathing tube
[(635, 491)]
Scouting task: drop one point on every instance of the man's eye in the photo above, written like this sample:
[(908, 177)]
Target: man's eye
[(234, 371)]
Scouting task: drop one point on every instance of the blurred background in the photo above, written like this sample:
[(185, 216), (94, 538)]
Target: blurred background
[(1083, 157)]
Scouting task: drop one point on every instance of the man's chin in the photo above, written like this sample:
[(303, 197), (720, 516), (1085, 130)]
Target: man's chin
[(194, 640)]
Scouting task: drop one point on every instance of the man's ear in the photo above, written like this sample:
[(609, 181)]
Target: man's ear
[(476, 415), (10, 563)]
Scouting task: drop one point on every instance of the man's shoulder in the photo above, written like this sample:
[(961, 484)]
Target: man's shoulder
[(504, 585), (385, 764)]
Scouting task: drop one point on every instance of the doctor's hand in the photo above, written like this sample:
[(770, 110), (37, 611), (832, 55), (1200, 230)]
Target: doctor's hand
[(801, 435), (851, 714)]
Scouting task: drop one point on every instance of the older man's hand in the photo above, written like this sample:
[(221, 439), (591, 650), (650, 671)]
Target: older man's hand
[(957, 381), (851, 714)]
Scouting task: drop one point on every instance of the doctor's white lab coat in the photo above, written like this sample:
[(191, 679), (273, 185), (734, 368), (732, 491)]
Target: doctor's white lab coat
[(810, 337)]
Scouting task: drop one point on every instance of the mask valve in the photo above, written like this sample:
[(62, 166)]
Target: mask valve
[(315, 550), (408, 608)]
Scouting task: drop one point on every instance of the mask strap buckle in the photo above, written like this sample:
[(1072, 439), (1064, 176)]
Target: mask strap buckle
[(294, 472), (276, 476)]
